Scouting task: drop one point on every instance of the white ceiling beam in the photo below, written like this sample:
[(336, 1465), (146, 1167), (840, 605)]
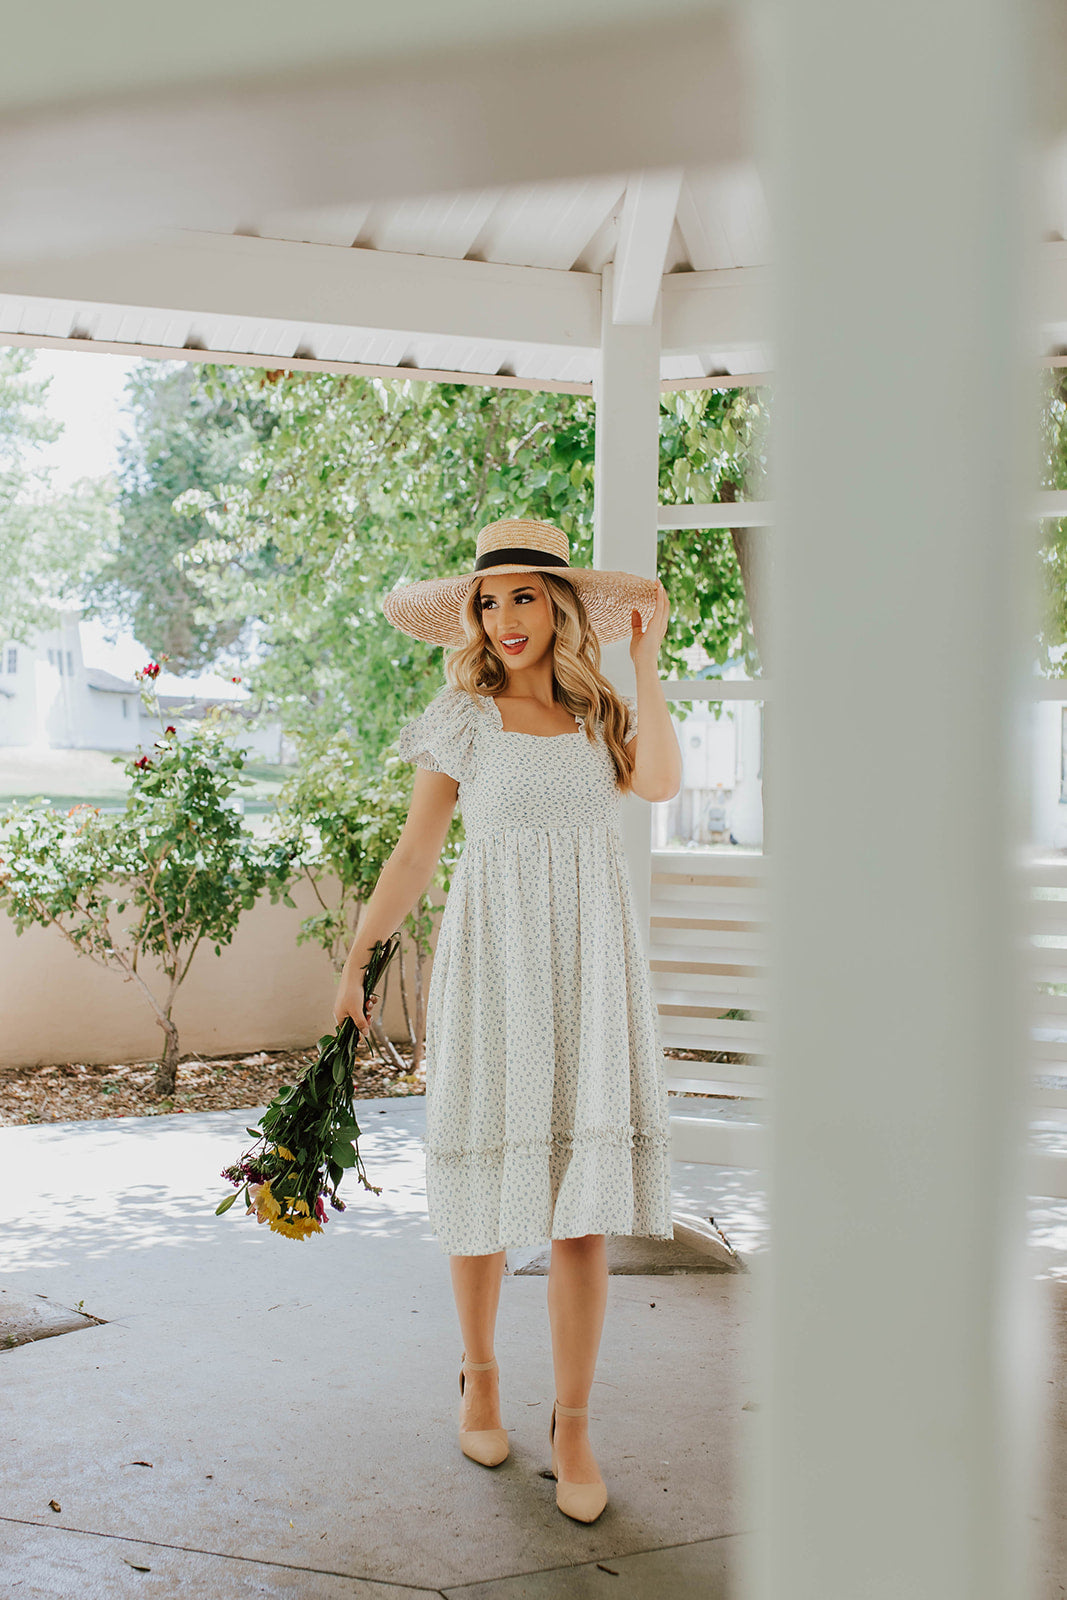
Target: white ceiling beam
[(721, 310), (187, 271), (648, 212), (230, 274), (728, 309)]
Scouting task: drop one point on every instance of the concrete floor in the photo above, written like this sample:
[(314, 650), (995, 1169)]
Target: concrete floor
[(339, 1474)]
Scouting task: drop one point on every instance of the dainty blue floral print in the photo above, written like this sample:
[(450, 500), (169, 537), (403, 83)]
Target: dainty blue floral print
[(546, 1099)]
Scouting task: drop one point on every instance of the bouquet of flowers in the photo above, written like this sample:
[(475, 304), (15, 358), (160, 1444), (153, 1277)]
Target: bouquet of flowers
[(308, 1136)]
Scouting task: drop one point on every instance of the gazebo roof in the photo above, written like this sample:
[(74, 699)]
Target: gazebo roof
[(499, 285), (446, 224)]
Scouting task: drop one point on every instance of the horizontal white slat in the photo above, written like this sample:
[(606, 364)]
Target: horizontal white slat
[(1044, 873), (740, 1077), (725, 1143), (1048, 917), (1046, 1051), (696, 895), (690, 993), (671, 864), (1043, 1019), (680, 927), (722, 1143), (699, 1033), (1047, 965), (718, 959), (737, 514), (716, 945), (762, 514), (720, 903), (1047, 1175), (725, 1088)]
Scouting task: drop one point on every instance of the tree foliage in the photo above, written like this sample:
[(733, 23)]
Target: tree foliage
[(1052, 629), (184, 436), (50, 541)]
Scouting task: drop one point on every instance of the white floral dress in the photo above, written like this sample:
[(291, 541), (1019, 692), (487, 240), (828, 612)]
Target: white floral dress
[(546, 1100)]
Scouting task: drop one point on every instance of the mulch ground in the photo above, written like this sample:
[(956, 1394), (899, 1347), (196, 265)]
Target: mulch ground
[(75, 1092)]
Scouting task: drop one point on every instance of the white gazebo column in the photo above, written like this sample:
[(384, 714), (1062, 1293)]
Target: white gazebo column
[(626, 494), (899, 1311)]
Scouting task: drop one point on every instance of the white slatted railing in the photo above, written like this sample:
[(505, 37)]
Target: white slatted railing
[(707, 944)]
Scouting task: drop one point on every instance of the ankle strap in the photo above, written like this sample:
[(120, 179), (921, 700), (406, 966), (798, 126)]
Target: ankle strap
[(479, 1366), (572, 1411)]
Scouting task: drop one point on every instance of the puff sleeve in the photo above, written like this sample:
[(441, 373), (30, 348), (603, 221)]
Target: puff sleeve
[(442, 738), (630, 702)]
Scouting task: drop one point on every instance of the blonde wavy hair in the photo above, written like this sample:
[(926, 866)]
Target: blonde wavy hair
[(577, 681)]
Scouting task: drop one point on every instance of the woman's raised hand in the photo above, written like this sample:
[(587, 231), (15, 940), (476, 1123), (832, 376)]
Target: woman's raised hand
[(645, 642)]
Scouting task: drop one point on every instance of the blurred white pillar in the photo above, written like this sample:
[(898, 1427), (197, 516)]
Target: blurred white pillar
[(625, 496), (899, 1312)]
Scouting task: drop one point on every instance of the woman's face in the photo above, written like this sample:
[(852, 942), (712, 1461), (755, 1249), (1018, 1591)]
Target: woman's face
[(516, 607)]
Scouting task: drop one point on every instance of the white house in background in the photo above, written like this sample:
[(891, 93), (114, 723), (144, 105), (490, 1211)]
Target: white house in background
[(51, 699)]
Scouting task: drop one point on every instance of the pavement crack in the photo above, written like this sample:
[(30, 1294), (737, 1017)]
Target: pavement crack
[(222, 1555)]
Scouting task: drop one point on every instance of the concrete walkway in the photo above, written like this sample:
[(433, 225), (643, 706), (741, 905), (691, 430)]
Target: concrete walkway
[(259, 1416)]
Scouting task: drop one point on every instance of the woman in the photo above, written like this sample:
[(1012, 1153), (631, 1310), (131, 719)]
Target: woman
[(546, 1102)]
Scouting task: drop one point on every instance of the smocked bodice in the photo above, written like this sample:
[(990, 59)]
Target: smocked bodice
[(510, 779)]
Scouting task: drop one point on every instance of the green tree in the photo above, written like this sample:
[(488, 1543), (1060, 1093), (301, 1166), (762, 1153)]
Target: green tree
[(178, 854), (1052, 549), (184, 436), (50, 541), (713, 450), (364, 483), (335, 829)]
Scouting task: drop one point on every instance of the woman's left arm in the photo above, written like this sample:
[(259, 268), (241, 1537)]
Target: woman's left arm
[(657, 771)]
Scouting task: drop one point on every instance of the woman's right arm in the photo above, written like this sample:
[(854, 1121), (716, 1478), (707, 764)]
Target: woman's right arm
[(400, 885)]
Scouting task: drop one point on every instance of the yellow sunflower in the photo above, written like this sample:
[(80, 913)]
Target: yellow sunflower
[(266, 1207), (298, 1224)]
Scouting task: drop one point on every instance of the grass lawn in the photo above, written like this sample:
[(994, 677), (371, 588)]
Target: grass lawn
[(92, 777)]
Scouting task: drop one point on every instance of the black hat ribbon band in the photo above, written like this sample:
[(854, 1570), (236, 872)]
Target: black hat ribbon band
[(504, 558)]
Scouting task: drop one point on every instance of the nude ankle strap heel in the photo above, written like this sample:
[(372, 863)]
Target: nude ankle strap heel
[(582, 1501), (488, 1446)]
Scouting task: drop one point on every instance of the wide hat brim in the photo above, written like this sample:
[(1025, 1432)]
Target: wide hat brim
[(430, 608)]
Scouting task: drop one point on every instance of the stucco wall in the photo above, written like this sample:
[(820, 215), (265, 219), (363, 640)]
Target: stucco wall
[(264, 992)]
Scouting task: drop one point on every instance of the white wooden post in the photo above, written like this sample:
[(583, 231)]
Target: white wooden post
[(626, 390), (898, 1328)]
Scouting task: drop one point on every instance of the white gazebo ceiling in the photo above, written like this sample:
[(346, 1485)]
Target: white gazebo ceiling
[(500, 284), (504, 285)]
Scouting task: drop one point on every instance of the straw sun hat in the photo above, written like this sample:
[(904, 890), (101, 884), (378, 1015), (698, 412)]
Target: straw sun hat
[(431, 609)]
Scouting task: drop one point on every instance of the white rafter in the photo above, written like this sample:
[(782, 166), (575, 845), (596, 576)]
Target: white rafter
[(648, 211)]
